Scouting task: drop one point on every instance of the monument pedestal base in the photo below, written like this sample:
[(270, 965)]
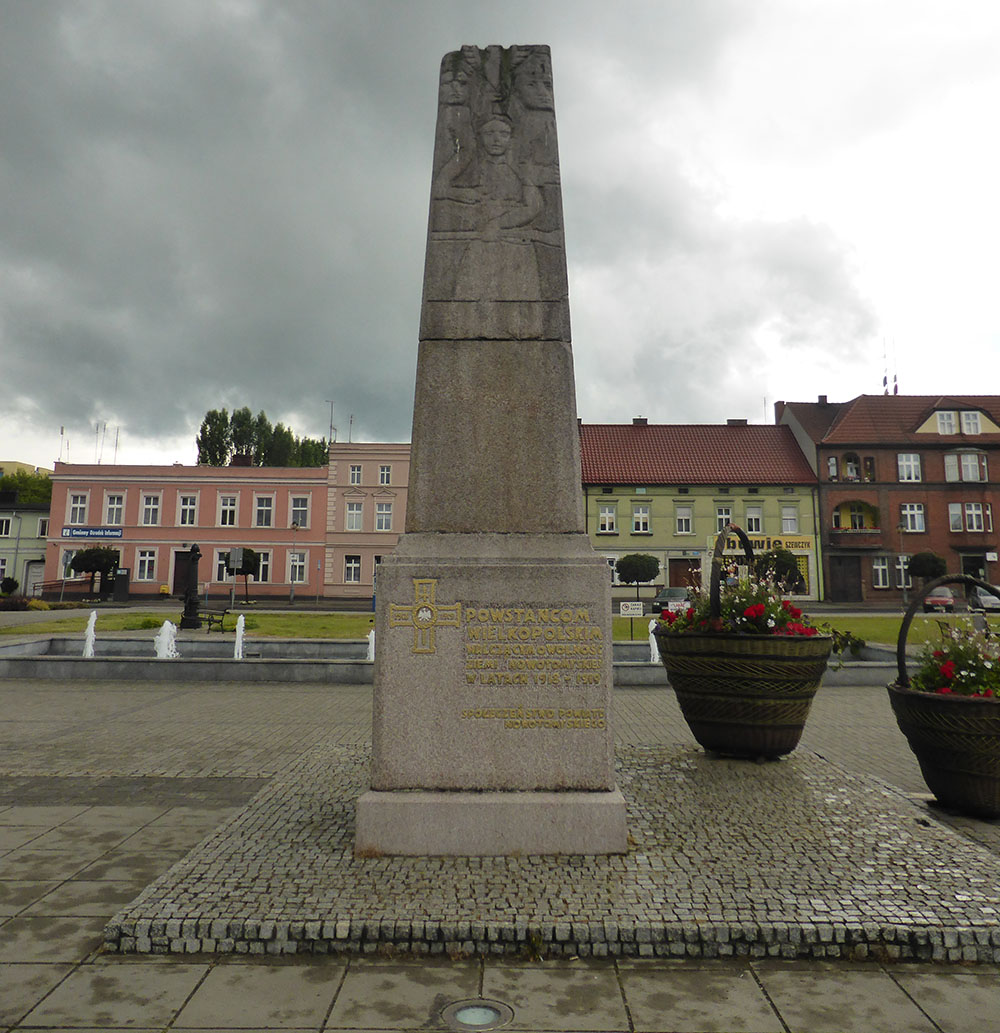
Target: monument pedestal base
[(488, 824)]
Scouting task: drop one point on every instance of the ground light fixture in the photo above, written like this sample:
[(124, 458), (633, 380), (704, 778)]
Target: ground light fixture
[(477, 1014)]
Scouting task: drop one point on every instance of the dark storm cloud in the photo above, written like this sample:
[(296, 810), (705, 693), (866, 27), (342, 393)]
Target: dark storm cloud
[(225, 204)]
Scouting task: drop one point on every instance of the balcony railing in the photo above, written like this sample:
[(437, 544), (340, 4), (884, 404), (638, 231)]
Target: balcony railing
[(856, 536)]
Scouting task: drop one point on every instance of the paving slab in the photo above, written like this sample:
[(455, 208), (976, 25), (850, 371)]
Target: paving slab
[(275, 996), (388, 995), (118, 996), (562, 996), (693, 997), (83, 899), (727, 858), (23, 984), (825, 1000), (45, 938), (959, 1002)]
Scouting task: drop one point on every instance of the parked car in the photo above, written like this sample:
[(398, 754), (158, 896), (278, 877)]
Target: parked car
[(941, 599), (671, 599), (980, 599)]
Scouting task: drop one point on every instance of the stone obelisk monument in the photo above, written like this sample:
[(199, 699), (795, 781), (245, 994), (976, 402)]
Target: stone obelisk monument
[(492, 718)]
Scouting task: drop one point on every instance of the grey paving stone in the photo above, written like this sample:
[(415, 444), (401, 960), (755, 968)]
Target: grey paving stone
[(80, 899), (50, 939), (697, 998), (273, 996), (112, 997), (959, 1002), (387, 995), (22, 985)]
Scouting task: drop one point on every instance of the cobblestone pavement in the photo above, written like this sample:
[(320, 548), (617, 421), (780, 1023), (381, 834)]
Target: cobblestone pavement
[(104, 787)]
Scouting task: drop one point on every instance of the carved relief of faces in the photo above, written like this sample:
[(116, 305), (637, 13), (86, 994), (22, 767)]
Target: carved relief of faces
[(454, 86), (534, 87), (495, 135)]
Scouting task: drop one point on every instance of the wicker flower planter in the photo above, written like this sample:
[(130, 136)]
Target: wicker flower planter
[(956, 739), (743, 695)]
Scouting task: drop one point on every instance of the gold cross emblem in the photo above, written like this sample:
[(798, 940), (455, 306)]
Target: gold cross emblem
[(424, 616)]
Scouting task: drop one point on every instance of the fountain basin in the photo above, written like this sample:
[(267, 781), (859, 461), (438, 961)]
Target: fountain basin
[(129, 657)]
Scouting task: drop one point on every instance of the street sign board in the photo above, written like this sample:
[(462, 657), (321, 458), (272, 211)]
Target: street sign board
[(630, 609)]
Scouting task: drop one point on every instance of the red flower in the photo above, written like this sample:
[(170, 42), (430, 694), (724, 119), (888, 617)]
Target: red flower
[(937, 654), (947, 670), (944, 690)]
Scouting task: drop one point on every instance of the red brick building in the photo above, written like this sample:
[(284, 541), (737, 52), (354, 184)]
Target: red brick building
[(898, 475)]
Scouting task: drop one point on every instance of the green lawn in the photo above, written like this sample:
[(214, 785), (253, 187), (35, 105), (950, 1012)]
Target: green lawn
[(883, 629)]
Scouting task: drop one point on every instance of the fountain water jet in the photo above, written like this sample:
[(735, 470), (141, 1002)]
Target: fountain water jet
[(163, 643), (90, 636), (238, 647)]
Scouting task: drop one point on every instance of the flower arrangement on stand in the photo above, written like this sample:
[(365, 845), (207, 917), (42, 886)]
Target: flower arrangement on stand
[(949, 710), (744, 661)]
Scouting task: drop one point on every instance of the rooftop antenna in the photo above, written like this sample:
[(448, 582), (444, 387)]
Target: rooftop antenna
[(333, 429), (350, 429), (115, 460), (62, 437), (104, 435)]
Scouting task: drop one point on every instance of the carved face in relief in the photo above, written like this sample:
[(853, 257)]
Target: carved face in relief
[(495, 135), (454, 86), (534, 87)]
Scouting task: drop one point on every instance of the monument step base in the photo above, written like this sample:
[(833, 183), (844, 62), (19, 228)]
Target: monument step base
[(418, 823)]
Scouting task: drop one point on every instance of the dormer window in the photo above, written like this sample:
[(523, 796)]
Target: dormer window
[(970, 423), (946, 423)]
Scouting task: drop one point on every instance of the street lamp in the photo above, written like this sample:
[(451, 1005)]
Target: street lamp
[(293, 567)]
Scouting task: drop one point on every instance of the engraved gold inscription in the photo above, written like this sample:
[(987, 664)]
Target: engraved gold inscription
[(425, 615), (539, 717)]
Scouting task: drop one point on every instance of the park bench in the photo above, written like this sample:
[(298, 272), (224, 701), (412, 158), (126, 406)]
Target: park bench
[(213, 617)]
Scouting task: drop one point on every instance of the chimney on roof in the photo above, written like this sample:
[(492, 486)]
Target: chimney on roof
[(822, 400), (736, 423), (639, 421)]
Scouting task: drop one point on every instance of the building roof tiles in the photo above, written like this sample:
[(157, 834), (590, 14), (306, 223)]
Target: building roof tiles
[(691, 454)]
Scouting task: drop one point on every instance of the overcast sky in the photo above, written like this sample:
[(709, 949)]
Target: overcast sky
[(212, 203)]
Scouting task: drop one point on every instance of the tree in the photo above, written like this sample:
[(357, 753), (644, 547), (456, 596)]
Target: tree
[(636, 568), (30, 487), (248, 440), (215, 440), (97, 560), (927, 565), (8, 586)]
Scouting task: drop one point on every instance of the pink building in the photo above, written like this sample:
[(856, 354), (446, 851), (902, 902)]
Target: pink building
[(153, 514), (366, 512)]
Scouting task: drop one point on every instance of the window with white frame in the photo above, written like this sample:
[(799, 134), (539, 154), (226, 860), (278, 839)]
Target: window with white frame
[(975, 517), (789, 519), (970, 423), (221, 570), (908, 465), (754, 519), (114, 509), (852, 467), (903, 571), (857, 515), (3, 567), (355, 473), (187, 510), (831, 468), (4, 527), (682, 518), (297, 567), (383, 516), (352, 570), (955, 516), (723, 516), (911, 516), (43, 526), (965, 466), (150, 510), (352, 517), (607, 519), (263, 511), (385, 475), (263, 567), (78, 509), (65, 560), (145, 565), (880, 572), (227, 510), (946, 423), (300, 510), (640, 519)]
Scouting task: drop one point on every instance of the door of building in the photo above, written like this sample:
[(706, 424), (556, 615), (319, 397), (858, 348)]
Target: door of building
[(975, 566), (682, 573), (182, 567), (845, 579)]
